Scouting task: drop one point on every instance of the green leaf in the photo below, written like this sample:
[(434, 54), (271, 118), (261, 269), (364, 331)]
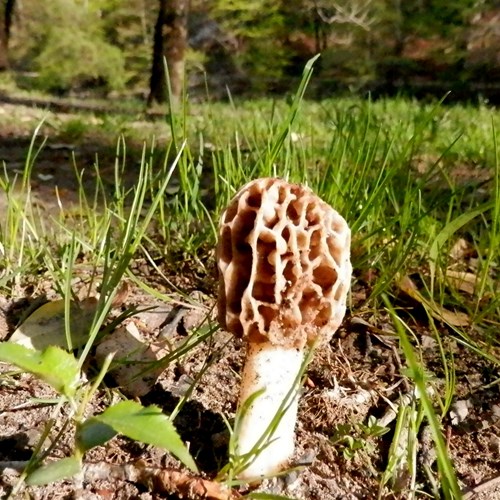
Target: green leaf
[(93, 433), (149, 425), (54, 365), (55, 471)]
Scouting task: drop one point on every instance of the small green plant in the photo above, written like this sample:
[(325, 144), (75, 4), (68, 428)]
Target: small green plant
[(146, 424), (118, 240), (449, 484), (351, 439), (18, 228)]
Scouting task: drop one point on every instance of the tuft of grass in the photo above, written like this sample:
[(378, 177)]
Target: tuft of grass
[(411, 179), (449, 486), (123, 230)]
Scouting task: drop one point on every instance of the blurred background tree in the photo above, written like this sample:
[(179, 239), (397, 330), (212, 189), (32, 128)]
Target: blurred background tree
[(169, 44), (67, 46), (252, 46), (6, 14)]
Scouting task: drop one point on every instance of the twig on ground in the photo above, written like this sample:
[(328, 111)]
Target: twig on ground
[(158, 480), (470, 493)]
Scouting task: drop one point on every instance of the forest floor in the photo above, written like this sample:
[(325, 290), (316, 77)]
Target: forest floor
[(355, 377)]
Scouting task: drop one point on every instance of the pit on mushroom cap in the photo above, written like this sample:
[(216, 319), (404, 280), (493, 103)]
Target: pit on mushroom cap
[(284, 266)]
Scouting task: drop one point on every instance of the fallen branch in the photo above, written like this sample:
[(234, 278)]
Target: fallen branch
[(160, 480), (157, 480)]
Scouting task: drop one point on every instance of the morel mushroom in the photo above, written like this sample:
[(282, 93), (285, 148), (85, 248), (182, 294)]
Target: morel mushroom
[(284, 273)]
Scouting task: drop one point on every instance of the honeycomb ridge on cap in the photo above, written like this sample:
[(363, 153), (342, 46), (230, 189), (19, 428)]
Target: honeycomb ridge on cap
[(284, 264)]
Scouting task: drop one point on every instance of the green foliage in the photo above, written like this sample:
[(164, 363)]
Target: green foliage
[(54, 471), (146, 424), (437, 17), (252, 19), (61, 370), (93, 433), (261, 25), (451, 488), (108, 43), (113, 249), (351, 439), (435, 251), (41, 363), (66, 42), (98, 61), (128, 25)]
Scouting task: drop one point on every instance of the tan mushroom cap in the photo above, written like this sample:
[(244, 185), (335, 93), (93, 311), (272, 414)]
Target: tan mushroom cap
[(284, 265)]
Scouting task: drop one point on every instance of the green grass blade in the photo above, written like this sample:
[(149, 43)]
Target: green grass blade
[(449, 483)]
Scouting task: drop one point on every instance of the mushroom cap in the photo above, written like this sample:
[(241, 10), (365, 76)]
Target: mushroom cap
[(284, 265)]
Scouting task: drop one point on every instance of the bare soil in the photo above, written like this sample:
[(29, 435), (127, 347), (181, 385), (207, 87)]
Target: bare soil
[(357, 375)]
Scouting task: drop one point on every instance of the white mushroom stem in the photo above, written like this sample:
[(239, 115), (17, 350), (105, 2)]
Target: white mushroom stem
[(274, 369)]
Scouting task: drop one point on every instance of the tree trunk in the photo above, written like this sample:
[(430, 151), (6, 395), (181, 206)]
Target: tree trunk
[(170, 41), (4, 56), (6, 12)]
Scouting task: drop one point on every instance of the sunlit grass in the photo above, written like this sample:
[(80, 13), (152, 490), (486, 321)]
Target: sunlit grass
[(410, 179)]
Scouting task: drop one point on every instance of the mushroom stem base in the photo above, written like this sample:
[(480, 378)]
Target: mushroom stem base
[(275, 370)]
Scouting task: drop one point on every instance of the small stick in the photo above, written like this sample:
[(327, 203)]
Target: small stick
[(480, 488), (158, 480)]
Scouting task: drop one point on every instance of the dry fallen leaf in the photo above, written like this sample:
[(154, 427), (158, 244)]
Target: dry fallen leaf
[(461, 280), (407, 285), (191, 488), (460, 249), (452, 318), (46, 325), (132, 357), (121, 294)]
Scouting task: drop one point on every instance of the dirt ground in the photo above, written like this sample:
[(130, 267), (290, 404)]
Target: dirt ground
[(358, 375)]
